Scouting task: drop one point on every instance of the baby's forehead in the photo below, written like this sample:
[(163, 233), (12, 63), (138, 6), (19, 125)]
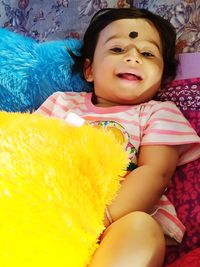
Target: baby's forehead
[(125, 26), (133, 22), (134, 29)]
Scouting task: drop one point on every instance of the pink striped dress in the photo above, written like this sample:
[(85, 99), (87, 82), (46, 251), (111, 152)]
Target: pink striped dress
[(150, 123)]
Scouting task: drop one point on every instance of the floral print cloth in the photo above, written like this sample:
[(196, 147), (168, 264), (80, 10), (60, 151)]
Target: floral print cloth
[(60, 19)]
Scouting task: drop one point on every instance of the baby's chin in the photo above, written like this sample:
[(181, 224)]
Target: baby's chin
[(136, 99)]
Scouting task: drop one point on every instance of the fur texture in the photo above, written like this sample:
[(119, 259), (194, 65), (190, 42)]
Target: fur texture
[(55, 182), (32, 71)]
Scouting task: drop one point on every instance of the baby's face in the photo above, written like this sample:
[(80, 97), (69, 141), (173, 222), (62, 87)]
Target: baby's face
[(127, 68)]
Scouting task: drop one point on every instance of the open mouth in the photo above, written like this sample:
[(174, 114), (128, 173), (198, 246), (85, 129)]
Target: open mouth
[(129, 76)]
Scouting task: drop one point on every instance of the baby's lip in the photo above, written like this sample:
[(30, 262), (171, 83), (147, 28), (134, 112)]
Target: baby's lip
[(130, 76)]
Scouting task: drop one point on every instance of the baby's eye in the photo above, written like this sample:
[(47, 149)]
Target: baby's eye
[(117, 50), (147, 54)]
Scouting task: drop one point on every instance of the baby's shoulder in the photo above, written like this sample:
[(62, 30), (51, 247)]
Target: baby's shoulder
[(159, 109), (158, 104), (68, 95), (153, 106)]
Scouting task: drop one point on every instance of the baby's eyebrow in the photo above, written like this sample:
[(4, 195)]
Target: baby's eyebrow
[(152, 42), (112, 37)]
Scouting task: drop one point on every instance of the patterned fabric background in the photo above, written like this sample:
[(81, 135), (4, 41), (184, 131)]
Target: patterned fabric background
[(59, 19)]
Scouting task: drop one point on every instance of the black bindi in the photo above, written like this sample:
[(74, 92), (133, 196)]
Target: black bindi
[(133, 35)]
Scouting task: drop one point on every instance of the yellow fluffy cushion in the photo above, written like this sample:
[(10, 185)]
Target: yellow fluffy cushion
[(55, 181)]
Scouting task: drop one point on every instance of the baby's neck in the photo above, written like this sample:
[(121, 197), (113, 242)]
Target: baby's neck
[(101, 102)]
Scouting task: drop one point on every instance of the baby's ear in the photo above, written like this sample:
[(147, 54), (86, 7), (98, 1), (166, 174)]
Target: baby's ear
[(87, 70)]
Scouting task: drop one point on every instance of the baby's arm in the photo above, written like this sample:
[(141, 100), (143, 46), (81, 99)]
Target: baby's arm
[(143, 187)]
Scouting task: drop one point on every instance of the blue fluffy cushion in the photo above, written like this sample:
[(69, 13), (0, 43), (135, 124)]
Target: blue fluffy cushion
[(31, 71)]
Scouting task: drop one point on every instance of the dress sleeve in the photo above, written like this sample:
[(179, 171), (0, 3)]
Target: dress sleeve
[(166, 125), (55, 106), (47, 106)]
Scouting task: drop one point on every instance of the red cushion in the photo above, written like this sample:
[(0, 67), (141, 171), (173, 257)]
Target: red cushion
[(184, 191), (191, 259)]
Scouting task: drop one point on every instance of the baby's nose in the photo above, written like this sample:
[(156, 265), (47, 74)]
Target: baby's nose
[(133, 56)]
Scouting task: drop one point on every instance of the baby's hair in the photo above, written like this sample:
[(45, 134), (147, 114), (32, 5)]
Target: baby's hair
[(105, 16)]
